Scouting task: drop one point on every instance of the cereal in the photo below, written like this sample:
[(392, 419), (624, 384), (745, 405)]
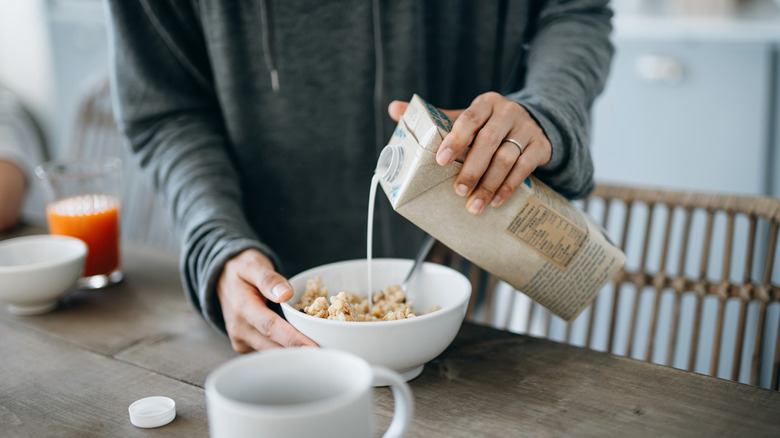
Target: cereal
[(318, 308), (340, 308), (389, 304)]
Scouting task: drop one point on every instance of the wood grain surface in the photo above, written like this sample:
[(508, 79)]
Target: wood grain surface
[(492, 383), (75, 371)]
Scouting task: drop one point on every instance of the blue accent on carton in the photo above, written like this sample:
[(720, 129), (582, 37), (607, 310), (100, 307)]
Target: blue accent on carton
[(441, 119)]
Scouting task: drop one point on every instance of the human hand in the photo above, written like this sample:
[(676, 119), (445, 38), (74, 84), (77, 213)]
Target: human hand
[(12, 188), (494, 168), (248, 281)]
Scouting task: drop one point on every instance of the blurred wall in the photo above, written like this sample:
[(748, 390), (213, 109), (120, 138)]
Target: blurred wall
[(25, 55), (51, 51), (79, 44)]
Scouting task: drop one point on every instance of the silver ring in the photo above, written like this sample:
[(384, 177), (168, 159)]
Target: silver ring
[(516, 143)]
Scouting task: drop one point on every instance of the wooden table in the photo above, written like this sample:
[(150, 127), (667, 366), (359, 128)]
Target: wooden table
[(74, 372)]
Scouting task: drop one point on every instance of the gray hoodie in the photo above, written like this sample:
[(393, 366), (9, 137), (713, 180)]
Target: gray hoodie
[(260, 122)]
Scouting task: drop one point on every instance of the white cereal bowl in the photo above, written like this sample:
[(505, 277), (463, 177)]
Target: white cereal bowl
[(404, 346), (36, 271)]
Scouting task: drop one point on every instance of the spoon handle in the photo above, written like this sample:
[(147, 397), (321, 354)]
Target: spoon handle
[(424, 250)]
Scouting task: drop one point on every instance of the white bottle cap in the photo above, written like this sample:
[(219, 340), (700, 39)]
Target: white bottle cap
[(390, 161), (152, 412)]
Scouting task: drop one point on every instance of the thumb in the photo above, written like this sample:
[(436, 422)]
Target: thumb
[(396, 109), (275, 287)]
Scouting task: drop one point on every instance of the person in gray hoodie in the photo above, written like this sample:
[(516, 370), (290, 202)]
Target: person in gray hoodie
[(260, 123)]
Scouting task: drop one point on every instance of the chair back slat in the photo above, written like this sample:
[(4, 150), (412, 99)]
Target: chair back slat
[(617, 293), (739, 349), (723, 292), (770, 256), (653, 323), (700, 288), (673, 335), (530, 316), (567, 334), (592, 314), (727, 250), (547, 321), (509, 308), (705, 254), (755, 363), (715, 361), (696, 336), (619, 280), (775, 383), (660, 281), (677, 281), (641, 281), (772, 294)]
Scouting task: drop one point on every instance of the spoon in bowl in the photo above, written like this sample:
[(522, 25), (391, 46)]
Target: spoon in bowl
[(421, 255)]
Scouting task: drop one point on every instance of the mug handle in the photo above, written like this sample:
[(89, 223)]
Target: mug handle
[(402, 398)]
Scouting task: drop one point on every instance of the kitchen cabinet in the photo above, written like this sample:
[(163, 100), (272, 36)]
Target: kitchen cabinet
[(687, 114), (692, 104)]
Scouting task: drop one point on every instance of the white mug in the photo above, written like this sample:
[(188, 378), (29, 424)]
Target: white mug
[(301, 392)]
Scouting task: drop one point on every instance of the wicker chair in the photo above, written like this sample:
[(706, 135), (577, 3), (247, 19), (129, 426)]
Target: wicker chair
[(699, 291), (95, 133)]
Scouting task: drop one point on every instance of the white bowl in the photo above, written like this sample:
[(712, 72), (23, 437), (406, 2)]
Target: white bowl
[(36, 271), (402, 345)]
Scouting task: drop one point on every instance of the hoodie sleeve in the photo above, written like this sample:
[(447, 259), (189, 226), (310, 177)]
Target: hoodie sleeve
[(567, 66), (165, 106)]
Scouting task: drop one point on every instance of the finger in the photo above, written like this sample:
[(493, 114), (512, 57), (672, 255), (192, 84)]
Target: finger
[(481, 156), (464, 130), (249, 322), (272, 330), (531, 158), (501, 165), (396, 109), (270, 283), (252, 325), (247, 339), (237, 298), (241, 347)]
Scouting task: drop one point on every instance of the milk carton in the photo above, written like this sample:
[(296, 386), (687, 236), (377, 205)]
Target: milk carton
[(537, 241)]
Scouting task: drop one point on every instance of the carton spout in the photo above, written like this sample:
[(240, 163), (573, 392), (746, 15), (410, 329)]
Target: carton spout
[(390, 162)]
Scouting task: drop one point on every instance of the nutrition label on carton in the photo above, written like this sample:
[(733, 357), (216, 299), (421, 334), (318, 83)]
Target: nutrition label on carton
[(555, 237)]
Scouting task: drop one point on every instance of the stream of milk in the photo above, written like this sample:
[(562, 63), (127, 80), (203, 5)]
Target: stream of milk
[(370, 236)]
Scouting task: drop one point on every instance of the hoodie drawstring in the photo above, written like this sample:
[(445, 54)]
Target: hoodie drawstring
[(269, 43)]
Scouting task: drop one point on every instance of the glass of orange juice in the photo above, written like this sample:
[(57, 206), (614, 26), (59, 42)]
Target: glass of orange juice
[(83, 201)]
